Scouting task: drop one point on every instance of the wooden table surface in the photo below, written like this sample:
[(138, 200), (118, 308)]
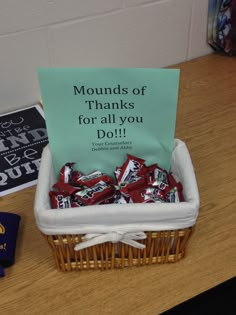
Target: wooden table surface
[(206, 121)]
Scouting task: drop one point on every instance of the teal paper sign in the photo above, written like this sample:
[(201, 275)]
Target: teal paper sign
[(95, 116)]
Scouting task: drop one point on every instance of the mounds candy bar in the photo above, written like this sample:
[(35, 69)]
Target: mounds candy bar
[(74, 178), (118, 198), (65, 172), (59, 200), (134, 183), (65, 188), (175, 194), (75, 202), (139, 196), (91, 179), (159, 178), (95, 194), (155, 193), (148, 171), (130, 168)]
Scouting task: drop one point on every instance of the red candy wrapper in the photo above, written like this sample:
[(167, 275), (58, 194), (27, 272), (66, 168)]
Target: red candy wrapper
[(65, 188), (147, 171), (96, 194), (91, 179), (59, 200), (134, 183), (75, 202), (160, 178), (118, 198), (155, 193), (139, 196), (130, 168), (175, 194), (65, 173)]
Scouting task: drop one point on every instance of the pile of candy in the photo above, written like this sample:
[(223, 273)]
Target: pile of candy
[(134, 183)]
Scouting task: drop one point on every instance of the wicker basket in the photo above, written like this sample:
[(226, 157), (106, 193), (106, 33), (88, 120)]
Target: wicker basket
[(166, 237), (161, 247)]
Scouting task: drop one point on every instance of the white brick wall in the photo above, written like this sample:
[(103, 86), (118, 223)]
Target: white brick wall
[(112, 33)]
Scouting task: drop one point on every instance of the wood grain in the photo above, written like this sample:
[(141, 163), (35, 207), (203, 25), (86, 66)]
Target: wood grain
[(206, 121)]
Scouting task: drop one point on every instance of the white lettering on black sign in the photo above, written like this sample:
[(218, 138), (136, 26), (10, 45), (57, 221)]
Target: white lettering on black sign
[(23, 135)]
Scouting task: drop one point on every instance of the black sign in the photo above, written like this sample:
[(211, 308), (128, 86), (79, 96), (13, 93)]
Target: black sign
[(23, 136)]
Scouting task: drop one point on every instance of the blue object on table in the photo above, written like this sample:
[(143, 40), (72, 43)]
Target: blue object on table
[(2, 273), (9, 224)]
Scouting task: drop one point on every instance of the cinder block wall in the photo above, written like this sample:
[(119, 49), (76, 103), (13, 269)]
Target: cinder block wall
[(94, 33)]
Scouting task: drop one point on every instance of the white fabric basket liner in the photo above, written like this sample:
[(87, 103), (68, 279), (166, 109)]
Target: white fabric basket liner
[(119, 217)]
